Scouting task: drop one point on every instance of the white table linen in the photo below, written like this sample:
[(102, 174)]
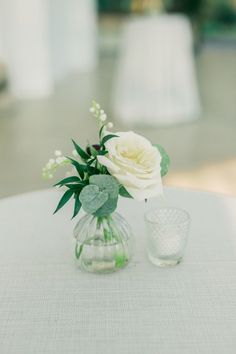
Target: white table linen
[(49, 306)]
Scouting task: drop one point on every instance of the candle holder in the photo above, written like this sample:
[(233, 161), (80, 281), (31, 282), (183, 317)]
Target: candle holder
[(167, 232)]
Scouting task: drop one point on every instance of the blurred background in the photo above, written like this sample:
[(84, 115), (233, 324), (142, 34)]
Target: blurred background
[(166, 69)]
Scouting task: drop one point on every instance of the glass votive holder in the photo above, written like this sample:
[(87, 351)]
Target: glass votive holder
[(167, 233)]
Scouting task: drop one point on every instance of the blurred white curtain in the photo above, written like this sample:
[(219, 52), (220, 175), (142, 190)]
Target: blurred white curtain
[(156, 82), (44, 40)]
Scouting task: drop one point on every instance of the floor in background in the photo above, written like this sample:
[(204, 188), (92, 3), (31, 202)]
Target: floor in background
[(203, 154)]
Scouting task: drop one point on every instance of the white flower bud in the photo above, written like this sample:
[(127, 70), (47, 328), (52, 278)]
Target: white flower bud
[(103, 117), (57, 152), (51, 161), (110, 125), (92, 110), (60, 160)]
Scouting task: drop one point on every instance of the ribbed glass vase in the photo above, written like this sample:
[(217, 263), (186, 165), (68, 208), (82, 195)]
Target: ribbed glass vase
[(103, 244)]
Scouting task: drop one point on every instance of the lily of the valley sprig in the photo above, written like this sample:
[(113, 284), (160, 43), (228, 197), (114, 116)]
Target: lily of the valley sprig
[(121, 163)]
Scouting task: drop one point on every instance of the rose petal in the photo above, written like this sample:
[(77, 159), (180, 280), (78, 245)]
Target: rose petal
[(142, 194), (132, 181)]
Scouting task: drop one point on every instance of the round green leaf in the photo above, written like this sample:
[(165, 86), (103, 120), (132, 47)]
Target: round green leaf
[(92, 198), (108, 207), (165, 160), (106, 183)]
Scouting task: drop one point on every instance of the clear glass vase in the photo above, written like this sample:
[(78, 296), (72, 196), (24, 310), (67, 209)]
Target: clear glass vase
[(103, 244)]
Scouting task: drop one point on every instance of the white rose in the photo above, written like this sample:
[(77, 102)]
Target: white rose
[(135, 163)]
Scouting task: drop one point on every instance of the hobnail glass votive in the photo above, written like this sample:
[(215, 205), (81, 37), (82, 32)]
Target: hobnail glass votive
[(167, 233)]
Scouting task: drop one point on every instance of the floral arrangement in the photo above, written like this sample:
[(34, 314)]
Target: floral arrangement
[(122, 163)]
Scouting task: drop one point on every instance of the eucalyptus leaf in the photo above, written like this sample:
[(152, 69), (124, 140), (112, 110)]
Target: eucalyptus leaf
[(100, 196), (165, 160), (108, 207), (106, 183), (92, 198)]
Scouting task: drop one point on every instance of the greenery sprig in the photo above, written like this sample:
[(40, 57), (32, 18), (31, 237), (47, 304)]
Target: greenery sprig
[(92, 187)]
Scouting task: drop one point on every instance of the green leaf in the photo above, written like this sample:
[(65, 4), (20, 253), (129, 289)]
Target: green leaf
[(123, 192), (67, 180), (100, 196), (78, 166), (90, 162), (101, 129), (108, 207), (64, 199), (92, 198), (91, 170), (120, 260), (106, 183), (75, 187), (83, 154), (77, 206), (94, 152), (78, 253), (84, 168), (108, 137), (102, 152), (165, 160)]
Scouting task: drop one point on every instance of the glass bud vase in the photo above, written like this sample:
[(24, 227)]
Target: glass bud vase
[(103, 244)]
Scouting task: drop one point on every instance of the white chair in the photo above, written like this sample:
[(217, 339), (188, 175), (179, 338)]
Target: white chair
[(155, 82)]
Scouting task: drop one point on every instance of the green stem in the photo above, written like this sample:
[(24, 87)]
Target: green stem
[(77, 254)]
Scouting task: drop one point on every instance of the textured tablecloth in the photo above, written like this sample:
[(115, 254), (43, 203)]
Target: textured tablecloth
[(49, 306)]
